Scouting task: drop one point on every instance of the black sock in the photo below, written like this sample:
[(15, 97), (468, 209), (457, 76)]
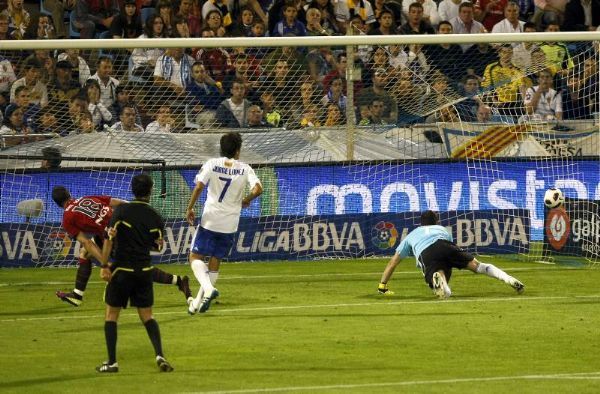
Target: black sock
[(160, 276), (110, 334), (154, 334), (84, 271)]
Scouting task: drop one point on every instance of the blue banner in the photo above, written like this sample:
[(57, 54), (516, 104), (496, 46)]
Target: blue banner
[(290, 237)]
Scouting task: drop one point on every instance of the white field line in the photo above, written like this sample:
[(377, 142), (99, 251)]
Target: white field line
[(560, 376), (252, 277), (133, 315)]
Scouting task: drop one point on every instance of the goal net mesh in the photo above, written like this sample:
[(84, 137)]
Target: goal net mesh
[(350, 142)]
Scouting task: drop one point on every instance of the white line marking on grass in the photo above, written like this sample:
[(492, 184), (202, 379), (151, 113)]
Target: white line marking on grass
[(581, 376), (295, 307), (252, 277)]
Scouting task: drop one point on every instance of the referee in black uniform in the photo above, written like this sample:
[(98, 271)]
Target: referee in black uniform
[(134, 230)]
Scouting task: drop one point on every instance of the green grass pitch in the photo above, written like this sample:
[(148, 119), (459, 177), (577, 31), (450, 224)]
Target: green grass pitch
[(316, 327)]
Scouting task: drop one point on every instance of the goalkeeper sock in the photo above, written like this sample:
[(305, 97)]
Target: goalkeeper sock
[(213, 275), (160, 276), (493, 271), (110, 334), (201, 273), (84, 271)]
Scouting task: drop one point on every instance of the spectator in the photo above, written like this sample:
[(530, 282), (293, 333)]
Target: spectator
[(193, 22), (107, 82), (164, 121), (164, 9), (127, 122), (232, 112), (64, 87), (327, 15), (395, 7), (489, 12), (484, 113), (445, 57), (71, 124), (173, 70), (92, 15), (242, 72), (379, 59), (417, 62), (294, 60), (14, 126), (465, 24), (255, 119), (346, 9), (415, 23), (439, 100), (203, 94), (541, 101), (127, 24), (18, 18), (7, 77), (243, 27), (582, 15), (522, 51), (41, 28), (23, 101), (334, 116), (46, 122), (386, 24), (511, 22), (86, 124), (52, 158), (46, 62), (214, 22), (557, 53), (57, 8), (548, 12), (373, 114), (100, 114), (308, 97), (320, 61), (335, 94), (5, 30), (448, 9), (506, 82), (80, 70), (123, 99), (430, 11), (216, 60), (310, 117), (408, 96), (289, 24), (39, 93), (340, 64), (378, 90), (467, 108), (313, 23), (272, 113), (226, 9), (144, 59), (476, 59), (363, 52), (181, 30)]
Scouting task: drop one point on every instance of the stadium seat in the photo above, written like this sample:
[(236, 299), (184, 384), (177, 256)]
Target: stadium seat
[(146, 13), (73, 31)]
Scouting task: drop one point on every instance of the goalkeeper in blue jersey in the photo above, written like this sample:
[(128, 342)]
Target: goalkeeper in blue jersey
[(436, 255)]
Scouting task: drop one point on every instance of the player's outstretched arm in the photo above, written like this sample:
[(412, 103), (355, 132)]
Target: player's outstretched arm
[(387, 273), (189, 213), (254, 193)]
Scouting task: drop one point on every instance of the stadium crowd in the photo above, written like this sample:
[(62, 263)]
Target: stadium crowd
[(155, 90)]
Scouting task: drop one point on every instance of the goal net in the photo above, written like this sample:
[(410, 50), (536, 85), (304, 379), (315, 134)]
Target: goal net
[(352, 137)]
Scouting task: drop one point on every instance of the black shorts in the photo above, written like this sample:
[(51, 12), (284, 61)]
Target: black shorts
[(443, 255), (129, 285)]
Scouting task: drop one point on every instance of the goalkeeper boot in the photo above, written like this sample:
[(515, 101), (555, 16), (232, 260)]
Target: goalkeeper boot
[(440, 286), (206, 300), (163, 365), (105, 367), (517, 285), (184, 286), (71, 297)]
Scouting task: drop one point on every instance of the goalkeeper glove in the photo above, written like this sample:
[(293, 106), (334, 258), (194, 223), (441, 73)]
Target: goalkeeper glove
[(383, 289)]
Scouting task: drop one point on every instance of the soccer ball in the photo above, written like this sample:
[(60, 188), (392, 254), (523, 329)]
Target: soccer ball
[(553, 197)]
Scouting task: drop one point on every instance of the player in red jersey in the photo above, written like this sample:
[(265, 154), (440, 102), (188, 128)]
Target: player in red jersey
[(85, 219)]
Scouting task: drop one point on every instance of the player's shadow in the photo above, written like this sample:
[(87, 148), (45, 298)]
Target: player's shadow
[(21, 385), (132, 322), (355, 315)]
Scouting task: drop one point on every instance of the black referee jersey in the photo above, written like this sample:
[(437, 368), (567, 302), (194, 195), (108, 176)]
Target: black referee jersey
[(139, 227)]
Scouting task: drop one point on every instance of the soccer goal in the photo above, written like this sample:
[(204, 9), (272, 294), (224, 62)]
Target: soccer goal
[(351, 136)]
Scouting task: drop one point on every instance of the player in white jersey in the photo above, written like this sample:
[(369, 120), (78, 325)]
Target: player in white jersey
[(436, 255), (226, 178)]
